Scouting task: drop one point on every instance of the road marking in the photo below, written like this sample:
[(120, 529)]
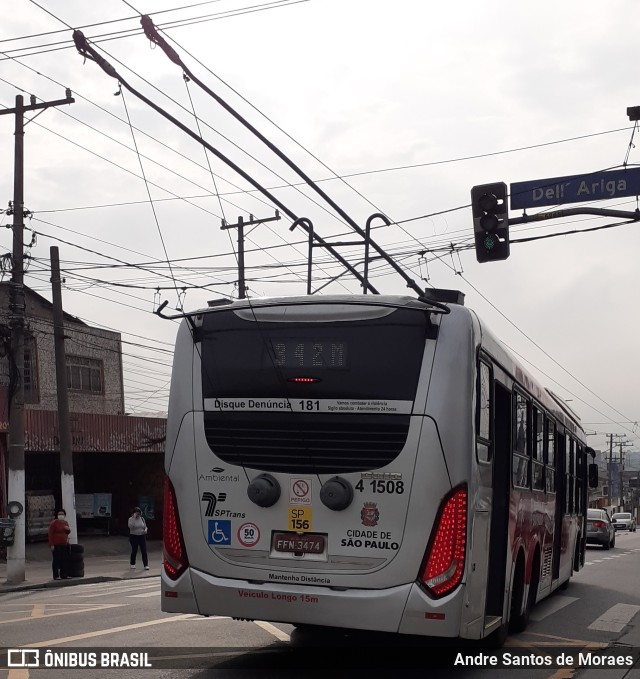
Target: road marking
[(272, 629), (37, 611), (156, 592), (566, 640), (111, 585), (20, 673), (48, 604), (551, 606), (564, 673), (615, 619), (118, 590), (87, 609), (112, 630)]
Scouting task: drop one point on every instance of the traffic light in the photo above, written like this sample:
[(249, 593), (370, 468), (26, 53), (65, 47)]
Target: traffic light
[(490, 221)]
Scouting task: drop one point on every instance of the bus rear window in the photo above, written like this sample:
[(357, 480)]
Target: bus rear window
[(375, 358)]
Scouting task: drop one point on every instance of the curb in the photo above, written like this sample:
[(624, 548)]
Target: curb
[(5, 589)]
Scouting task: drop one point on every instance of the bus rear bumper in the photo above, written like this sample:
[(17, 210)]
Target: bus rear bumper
[(177, 596), (405, 609)]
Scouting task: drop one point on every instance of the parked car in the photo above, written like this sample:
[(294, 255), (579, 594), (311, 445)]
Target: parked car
[(600, 530), (624, 521)]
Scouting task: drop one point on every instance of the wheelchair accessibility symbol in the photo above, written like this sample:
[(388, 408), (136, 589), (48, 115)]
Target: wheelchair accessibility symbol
[(219, 532)]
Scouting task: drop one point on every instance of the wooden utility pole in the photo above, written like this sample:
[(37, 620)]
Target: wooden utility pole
[(242, 288), (609, 468), (17, 307), (67, 485), (621, 474)]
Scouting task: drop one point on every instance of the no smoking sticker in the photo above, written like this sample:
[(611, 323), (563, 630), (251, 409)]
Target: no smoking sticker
[(248, 534), (300, 492)]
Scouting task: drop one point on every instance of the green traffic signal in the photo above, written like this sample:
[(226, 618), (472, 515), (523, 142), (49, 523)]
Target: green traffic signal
[(489, 241)]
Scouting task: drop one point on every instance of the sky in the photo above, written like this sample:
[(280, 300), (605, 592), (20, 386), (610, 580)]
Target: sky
[(398, 108)]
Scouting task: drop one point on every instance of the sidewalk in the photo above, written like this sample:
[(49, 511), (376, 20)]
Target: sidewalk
[(105, 558)]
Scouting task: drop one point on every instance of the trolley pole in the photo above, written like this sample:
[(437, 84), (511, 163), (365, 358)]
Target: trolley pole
[(242, 288), (17, 309)]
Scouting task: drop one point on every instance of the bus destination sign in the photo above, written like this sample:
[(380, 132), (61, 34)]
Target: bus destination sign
[(575, 188)]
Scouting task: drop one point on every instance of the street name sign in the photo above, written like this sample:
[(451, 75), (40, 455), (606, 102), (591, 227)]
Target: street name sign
[(575, 188)]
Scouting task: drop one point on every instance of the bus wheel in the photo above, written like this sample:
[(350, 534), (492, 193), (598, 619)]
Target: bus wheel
[(578, 562), (521, 620), (518, 617)]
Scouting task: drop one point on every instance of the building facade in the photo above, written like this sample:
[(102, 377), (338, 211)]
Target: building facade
[(114, 455), (93, 359)]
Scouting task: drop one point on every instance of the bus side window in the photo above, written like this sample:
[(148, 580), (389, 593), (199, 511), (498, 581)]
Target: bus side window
[(521, 460), (550, 458), (484, 414), (579, 463), (569, 467), (537, 450)]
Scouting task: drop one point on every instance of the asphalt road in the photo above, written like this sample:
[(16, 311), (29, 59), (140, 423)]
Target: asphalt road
[(598, 609)]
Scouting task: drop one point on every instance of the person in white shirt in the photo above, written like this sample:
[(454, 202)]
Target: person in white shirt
[(138, 537)]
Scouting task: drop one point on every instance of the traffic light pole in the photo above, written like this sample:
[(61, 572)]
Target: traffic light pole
[(568, 212), (16, 476)]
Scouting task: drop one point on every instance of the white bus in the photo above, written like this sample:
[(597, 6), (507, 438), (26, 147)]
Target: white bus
[(366, 462)]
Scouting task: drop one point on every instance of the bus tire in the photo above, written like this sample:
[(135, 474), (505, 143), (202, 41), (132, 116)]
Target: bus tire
[(578, 562), (518, 617)]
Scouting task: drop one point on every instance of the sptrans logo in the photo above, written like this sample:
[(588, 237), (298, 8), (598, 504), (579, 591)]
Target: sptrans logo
[(212, 500)]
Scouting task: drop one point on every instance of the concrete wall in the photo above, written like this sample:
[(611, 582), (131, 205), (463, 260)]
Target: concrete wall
[(85, 342), (80, 340)]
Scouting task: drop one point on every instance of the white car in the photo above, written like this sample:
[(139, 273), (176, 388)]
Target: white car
[(624, 521)]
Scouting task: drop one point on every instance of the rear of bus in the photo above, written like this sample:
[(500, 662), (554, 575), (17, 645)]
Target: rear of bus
[(317, 464)]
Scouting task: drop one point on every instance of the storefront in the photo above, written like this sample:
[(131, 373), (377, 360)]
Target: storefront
[(117, 460)]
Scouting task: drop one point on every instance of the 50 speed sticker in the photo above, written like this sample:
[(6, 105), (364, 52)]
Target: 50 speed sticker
[(248, 534)]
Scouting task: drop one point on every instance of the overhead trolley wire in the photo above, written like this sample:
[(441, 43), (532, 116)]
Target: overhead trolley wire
[(130, 32), (156, 38), (89, 52)]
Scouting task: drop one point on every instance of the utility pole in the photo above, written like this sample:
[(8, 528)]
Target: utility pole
[(242, 288), (17, 307), (609, 468), (67, 485), (621, 470)]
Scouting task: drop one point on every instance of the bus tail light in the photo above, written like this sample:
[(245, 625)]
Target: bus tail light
[(174, 553), (443, 564)]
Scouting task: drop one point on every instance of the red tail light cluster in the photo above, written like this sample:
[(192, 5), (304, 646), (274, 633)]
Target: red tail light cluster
[(599, 524), (175, 556), (443, 565)]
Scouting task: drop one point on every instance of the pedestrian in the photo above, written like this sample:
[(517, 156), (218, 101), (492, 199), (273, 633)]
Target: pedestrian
[(59, 544), (138, 537)]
